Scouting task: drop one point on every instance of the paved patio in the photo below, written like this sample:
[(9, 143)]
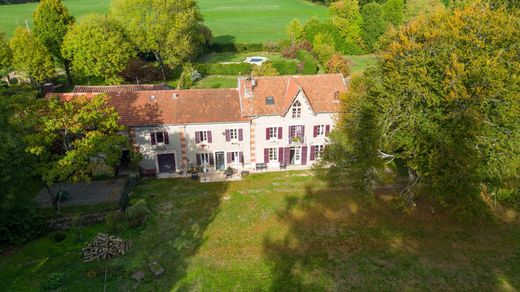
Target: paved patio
[(85, 193)]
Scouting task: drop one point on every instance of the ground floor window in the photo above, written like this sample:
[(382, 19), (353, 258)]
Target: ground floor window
[(318, 150), (204, 159), (273, 154)]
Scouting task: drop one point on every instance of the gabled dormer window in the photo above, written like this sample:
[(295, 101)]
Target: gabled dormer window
[(297, 110)]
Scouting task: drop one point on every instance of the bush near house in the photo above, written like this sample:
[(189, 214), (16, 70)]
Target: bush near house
[(310, 64)]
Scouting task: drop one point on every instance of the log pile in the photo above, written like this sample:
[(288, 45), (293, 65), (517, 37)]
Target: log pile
[(104, 247)]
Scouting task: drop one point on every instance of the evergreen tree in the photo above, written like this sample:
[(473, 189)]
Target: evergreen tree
[(373, 25), (393, 12)]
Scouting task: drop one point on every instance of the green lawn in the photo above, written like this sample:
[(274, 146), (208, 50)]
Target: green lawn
[(229, 20), (282, 232), (239, 57), (361, 62), (217, 81)]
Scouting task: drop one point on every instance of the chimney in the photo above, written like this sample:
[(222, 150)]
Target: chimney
[(249, 86)]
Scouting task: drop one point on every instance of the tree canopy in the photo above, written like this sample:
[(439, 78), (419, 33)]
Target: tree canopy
[(6, 54), (31, 56), (51, 22), (373, 25), (444, 98), (98, 48), (172, 29)]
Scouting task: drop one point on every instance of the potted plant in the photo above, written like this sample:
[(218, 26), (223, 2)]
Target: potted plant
[(228, 172), (296, 139)]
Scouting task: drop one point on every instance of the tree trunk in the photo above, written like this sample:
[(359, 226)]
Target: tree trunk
[(66, 65), (8, 79), (54, 198), (161, 64)]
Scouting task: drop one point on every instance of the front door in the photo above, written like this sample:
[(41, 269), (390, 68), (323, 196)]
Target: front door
[(296, 155), (220, 163), (166, 163)]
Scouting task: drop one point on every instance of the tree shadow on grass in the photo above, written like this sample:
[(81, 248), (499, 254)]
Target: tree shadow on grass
[(339, 241)]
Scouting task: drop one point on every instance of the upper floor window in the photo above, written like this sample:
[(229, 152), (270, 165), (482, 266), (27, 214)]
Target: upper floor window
[(320, 130), (233, 134), (203, 136), (159, 138), (273, 132), (297, 110)]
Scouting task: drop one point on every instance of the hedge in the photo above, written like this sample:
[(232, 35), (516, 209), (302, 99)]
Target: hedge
[(310, 64), (286, 67), (224, 69), (235, 47)]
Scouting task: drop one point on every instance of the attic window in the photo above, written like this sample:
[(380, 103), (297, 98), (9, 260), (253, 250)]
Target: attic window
[(336, 95), (269, 100), (152, 97)]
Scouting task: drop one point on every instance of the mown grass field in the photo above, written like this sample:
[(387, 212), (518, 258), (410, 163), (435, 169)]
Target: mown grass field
[(280, 232), (230, 20)]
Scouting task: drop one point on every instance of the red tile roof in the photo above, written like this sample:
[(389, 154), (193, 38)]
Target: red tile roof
[(143, 108), (321, 90), (120, 88)]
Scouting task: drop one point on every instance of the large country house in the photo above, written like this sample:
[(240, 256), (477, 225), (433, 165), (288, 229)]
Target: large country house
[(266, 122)]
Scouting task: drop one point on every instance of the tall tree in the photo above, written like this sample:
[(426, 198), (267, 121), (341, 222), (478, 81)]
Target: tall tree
[(172, 29), (393, 12), (73, 139), (373, 25), (295, 31), (51, 22), (345, 15), (31, 56), (444, 98), (99, 48)]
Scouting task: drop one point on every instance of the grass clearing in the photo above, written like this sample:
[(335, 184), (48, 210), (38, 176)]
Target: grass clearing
[(280, 231), (217, 81), (230, 20), (361, 62), (239, 57)]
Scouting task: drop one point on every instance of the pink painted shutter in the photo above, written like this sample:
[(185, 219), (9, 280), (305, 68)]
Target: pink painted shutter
[(267, 134), (315, 134), (241, 156), (210, 139), (152, 138), (280, 132), (327, 129), (313, 151), (280, 154), (304, 155), (303, 132), (166, 138), (240, 134), (266, 155), (228, 136), (229, 157), (287, 155), (197, 137), (211, 159), (197, 156)]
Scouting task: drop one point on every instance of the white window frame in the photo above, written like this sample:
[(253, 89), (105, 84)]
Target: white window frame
[(203, 136), (157, 138), (321, 130), (273, 133), (297, 110), (273, 154), (318, 151), (233, 134), (204, 157)]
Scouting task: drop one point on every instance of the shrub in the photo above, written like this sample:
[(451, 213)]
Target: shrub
[(266, 69), (286, 67), (310, 64), (116, 221), (339, 64), (55, 281), (137, 213), (186, 80), (19, 223), (324, 47), (235, 47), (59, 236), (271, 47), (225, 69), (291, 51)]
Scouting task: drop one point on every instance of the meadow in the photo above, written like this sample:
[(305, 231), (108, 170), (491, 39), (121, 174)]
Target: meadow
[(279, 232), (239, 21)]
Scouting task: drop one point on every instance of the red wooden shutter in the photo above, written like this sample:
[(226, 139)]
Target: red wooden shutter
[(280, 154), (229, 157), (166, 138), (266, 155), (228, 136), (287, 155), (316, 129), (327, 129), (313, 151), (240, 134), (304, 155), (267, 134), (197, 137), (152, 138), (280, 132), (197, 156), (210, 139)]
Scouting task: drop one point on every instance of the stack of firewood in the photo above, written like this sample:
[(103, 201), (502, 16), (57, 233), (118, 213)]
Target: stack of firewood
[(104, 247)]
